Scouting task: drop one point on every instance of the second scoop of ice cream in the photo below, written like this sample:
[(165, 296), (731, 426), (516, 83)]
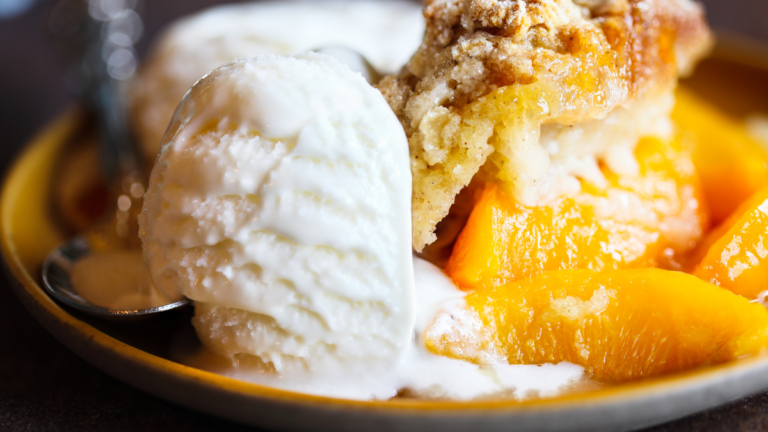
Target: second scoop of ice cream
[(282, 192)]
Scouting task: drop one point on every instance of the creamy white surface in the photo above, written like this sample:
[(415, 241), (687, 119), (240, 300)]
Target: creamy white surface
[(385, 32), (286, 193)]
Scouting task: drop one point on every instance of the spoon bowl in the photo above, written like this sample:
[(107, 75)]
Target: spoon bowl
[(57, 281)]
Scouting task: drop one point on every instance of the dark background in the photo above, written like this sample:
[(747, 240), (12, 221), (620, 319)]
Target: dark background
[(43, 386)]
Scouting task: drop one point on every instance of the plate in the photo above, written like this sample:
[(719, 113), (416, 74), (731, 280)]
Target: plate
[(144, 354)]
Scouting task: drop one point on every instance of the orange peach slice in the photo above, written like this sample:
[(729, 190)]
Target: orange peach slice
[(636, 221), (731, 165), (620, 325), (736, 256)]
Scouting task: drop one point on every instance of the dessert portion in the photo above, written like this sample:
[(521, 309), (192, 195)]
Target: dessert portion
[(529, 148), (535, 94), (544, 131), (535, 295), (280, 205), (386, 33)]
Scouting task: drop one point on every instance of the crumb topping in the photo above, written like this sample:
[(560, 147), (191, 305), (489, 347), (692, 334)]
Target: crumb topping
[(490, 73)]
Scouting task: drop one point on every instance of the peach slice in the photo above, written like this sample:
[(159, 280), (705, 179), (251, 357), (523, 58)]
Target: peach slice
[(636, 221), (731, 165), (620, 325), (736, 253)]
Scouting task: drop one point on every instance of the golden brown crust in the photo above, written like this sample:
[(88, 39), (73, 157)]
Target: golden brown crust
[(491, 72)]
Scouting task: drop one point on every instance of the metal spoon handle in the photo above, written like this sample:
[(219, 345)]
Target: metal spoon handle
[(109, 61)]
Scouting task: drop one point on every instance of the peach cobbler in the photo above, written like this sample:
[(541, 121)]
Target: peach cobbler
[(553, 180), (568, 206)]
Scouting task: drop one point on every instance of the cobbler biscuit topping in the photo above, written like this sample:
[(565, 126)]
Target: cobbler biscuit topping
[(490, 73)]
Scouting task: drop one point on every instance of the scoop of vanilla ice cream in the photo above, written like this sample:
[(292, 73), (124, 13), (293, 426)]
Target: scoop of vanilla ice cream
[(387, 33), (280, 203)]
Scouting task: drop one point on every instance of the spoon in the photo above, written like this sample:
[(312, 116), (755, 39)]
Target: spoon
[(57, 279), (104, 43)]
